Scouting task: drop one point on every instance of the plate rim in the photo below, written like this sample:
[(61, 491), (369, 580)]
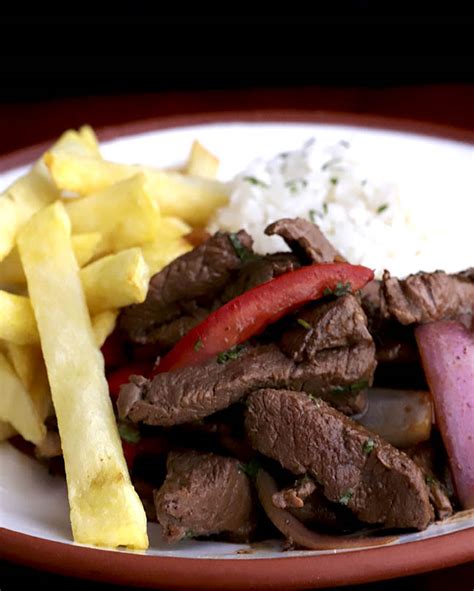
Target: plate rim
[(324, 117), (289, 572), (205, 573)]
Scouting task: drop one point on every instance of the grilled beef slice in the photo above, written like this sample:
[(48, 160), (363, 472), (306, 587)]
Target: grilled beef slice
[(258, 270), (356, 468), (192, 393), (204, 494), (326, 325), (305, 239), (423, 454), (201, 273), (326, 360), (420, 298), (305, 501)]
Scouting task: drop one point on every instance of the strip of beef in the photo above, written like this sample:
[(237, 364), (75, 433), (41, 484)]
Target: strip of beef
[(326, 325), (356, 468), (192, 393), (258, 270), (305, 239), (200, 273), (305, 501), (420, 298), (204, 494), (423, 454)]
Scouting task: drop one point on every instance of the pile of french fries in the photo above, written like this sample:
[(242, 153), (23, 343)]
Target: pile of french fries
[(80, 238)]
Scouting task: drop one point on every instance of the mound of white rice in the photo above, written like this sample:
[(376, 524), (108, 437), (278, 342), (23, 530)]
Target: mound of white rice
[(362, 215)]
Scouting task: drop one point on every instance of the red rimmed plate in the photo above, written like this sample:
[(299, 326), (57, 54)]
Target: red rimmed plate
[(33, 505)]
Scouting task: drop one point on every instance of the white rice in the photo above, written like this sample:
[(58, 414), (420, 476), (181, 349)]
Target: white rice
[(363, 216)]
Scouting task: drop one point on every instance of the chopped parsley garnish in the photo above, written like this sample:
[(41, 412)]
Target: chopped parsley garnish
[(315, 399), (346, 497), (330, 163), (351, 388), (241, 251), (340, 289), (430, 479), (312, 215), (255, 181), (251, 468), (333, 180), (189, 534), (304, 323), (325, 207), (295, 185), (198, 345), (128, 432), (230, 354), (382, 208), (369, 446)]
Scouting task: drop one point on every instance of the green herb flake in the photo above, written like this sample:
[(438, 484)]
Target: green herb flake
[(128, 432), (342, 289), (351, 388), (382, 208), (312, 215), (251, 468), (241, 251), (296, 185), (304, 323), (255, 181), (330, 163), (198, 345), (333, 180), (233, 353), (325, 208), (188, 535), (369, 446), (430, 479), (346, 497)]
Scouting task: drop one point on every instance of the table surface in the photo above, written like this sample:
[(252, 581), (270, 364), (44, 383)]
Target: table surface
[(25, 123)]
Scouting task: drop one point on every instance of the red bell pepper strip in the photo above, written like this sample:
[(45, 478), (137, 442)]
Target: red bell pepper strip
[(250, 313), (122, 375), (113, 351), (154, 446)]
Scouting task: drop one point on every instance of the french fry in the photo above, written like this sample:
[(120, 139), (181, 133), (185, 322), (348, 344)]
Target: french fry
[(124, 215), (111, 282), (17, 321), (85, 247), (158, 254), (191, 198), (16, 405), (6, 431), (35, 190), (26, 360), (116, 281), (104, 507), (201, 162), (171, 227), (9, 224), (32, 192), (103, 325), (80, 143), (40, 393)]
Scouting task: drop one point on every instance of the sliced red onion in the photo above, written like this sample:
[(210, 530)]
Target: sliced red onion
[(298, 533), (447, 354)]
